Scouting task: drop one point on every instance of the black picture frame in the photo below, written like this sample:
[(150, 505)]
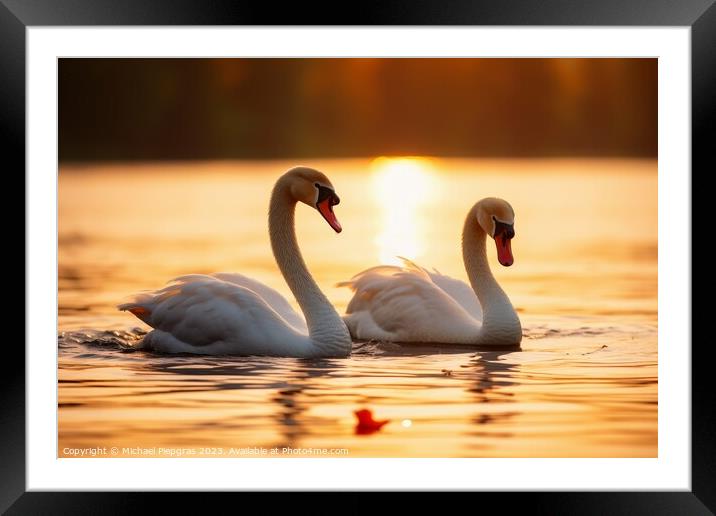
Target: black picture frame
[(17, 15)]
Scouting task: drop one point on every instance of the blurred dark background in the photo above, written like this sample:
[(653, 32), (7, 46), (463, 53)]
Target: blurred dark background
[(140, 109)]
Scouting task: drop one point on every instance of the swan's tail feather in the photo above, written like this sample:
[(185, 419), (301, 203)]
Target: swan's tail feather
[(408, 262), (376, 268), (139, 307), (364, 278), (139, 312), (411, 265), (384, 269)]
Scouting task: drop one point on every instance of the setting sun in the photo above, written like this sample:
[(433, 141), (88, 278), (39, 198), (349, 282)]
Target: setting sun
[(403, 187)]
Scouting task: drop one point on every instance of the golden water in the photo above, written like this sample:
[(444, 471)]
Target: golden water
[(584, 283)]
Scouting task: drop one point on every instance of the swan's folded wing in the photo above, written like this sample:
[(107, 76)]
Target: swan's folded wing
[(365, 284), (403, 304), (460, 291), (272, 297), (202, 310)]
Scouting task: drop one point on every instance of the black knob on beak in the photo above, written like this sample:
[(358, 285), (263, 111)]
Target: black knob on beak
[(504, 230)]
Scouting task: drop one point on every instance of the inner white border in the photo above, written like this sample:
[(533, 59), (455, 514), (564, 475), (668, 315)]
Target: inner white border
[(671, 470)]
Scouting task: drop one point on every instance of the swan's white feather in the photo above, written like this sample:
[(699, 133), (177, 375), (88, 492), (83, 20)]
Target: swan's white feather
[(410, 304), (220, 314), (272, 297), (455, 288)]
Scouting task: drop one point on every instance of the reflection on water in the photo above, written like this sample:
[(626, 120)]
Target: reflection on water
[(584, 283), (406, 190)]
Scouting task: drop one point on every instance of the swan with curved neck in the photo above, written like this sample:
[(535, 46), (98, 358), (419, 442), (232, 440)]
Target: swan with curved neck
[(411, 304), (228, 313)]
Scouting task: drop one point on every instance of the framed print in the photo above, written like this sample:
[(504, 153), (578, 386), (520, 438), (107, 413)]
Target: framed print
[(445, 249)]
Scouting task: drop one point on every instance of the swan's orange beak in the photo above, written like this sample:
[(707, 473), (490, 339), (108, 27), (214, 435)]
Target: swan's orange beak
[(504, 250), (503, 237), (325, 208)]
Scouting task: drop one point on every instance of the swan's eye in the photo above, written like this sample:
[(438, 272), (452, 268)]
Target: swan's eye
[(325, 193), (504, 230)]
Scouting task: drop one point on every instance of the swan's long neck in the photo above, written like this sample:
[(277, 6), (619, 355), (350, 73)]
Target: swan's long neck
[(326, 329), (500, 324)]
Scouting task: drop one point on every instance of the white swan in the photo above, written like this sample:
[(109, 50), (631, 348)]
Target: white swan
[(232, 314), (410, 304)]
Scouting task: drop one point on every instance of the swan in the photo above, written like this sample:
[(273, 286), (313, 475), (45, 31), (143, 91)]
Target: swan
[(410, 304), (229, 313)]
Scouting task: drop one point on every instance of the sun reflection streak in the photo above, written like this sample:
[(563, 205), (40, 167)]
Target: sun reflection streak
[(404, 187)]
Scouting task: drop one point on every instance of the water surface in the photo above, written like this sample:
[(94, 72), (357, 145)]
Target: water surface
[(584, 283)]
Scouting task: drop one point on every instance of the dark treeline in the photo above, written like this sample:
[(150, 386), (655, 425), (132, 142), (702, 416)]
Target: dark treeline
[(123, 109)]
